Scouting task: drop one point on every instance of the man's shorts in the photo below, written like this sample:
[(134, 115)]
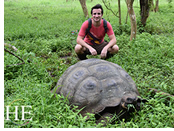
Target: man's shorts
[(97, 47)]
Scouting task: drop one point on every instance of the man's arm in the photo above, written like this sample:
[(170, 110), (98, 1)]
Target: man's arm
[(81, 42), (112, 41)]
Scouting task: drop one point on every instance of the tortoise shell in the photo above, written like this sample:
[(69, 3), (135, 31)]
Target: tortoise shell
[(95, 84)]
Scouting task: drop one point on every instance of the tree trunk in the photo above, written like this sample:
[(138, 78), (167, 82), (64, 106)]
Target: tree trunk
[(132, 18), (145, 8), (119, 10), (85, 10), (156, 5), (152, 7)]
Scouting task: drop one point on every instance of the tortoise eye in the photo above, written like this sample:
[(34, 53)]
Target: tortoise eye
[(130, 100)]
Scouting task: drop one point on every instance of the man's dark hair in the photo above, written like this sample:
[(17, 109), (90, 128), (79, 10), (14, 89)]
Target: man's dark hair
[(98, 6)]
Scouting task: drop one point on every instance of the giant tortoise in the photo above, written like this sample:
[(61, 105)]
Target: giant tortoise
[(98, 86)]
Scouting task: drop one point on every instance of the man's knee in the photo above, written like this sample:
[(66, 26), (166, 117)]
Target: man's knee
[(79, 49), (114, 49)]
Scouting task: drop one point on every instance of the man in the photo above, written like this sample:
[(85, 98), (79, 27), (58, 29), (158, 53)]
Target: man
[(93, 42)]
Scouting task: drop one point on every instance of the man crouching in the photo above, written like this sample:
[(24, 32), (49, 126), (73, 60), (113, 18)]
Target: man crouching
[(90, 40)]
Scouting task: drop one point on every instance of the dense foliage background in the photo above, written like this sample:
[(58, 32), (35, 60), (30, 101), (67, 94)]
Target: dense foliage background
[(42, 32)]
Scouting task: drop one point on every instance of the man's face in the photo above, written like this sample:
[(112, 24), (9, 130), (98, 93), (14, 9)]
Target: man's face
[(96, 15)]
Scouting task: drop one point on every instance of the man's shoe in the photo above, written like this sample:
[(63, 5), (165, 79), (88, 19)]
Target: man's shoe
[(82, 56), (109, 55)]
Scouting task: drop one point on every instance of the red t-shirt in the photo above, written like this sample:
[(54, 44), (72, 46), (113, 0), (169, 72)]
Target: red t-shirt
[(96, 34)]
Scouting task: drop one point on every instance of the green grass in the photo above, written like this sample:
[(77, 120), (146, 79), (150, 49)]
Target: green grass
[(41, 30)]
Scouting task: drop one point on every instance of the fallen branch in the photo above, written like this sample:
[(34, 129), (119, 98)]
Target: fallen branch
[(10, 46), (15, 56), (163, 93)]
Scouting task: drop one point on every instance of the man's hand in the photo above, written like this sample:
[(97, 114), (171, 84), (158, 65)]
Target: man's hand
[(81, 42), (93, 51), (104, 53)]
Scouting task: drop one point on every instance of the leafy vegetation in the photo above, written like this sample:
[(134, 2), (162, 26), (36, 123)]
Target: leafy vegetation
[(42, 32)]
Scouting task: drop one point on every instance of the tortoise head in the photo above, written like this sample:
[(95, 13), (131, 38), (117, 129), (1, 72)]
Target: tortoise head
[(131, 102)]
